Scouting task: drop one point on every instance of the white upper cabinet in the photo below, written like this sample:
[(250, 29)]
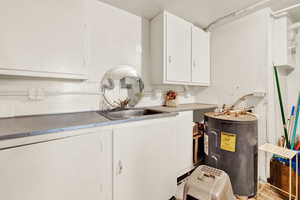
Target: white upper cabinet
[(179, 52), (280, 41), (42, 38), (178, 49), (281, 46), (200, 57)]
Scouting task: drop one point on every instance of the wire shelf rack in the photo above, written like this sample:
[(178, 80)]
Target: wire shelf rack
[(267, 191)]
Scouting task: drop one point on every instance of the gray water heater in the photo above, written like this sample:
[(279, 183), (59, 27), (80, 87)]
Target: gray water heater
[(231, 145)]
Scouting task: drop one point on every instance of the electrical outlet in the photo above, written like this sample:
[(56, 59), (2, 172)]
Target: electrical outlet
[(186, 91)]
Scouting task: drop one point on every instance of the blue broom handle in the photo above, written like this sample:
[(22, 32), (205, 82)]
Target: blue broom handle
[(296, 123)]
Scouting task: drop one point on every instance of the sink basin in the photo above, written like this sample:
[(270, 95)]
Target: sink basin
[(129, 113)]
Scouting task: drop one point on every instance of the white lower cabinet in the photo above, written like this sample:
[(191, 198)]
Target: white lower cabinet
[(144, 160), (74, 168), (130, 161), (184, 143)]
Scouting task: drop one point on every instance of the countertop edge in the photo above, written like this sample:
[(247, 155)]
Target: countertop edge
[(85, 126), (167, 112), (180, 109)]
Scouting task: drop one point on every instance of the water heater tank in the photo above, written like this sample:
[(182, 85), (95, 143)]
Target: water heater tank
[(231, 145)]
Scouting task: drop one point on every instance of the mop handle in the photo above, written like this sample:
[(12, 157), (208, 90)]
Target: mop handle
[(281, 109)]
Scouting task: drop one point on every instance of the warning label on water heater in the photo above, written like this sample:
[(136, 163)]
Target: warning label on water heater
[(228, 141)]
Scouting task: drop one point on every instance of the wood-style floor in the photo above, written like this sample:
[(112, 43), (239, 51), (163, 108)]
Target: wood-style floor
[(265, 193)]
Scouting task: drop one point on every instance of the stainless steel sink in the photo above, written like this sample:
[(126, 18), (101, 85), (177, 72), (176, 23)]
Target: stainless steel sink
[(130, 113)]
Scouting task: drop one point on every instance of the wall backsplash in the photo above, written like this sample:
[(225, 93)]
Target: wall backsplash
[(31, 97)]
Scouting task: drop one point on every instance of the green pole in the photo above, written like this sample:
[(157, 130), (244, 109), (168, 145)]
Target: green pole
[(281, 109)]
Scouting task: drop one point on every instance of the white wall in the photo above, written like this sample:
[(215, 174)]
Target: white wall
[(114, 37), (293, 80), (241, 64), (239, 59)]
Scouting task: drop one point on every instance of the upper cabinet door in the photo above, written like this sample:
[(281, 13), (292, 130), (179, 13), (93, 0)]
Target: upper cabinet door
[(178, 49), (40, 37), (200, 57), (280, 50)]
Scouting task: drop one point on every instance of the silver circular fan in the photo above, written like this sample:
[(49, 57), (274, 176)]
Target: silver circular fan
[(121, 87)]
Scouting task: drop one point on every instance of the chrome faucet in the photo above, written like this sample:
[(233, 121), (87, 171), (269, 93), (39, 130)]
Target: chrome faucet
[(122, 104)]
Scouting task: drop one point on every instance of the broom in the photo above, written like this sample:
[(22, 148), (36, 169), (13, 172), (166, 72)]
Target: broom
[(281, 109)]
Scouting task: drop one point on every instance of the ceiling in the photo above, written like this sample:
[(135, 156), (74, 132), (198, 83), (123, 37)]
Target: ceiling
[(295, 13), (199, 12)]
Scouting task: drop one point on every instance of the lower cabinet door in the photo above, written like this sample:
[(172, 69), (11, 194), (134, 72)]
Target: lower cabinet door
[(144, 158), (184, 143), (65, 169)]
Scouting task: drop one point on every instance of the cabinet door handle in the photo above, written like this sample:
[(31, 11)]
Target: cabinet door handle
[(101, 146), (120, 167), (216, 138), (170, 59), (194, 63)]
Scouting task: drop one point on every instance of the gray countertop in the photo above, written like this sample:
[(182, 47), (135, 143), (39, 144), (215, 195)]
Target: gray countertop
[(185, 107), (19, 127)]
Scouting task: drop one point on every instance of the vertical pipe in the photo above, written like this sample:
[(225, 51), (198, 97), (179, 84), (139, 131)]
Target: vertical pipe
[(281, 109), (290, 180), (297, 176), (287, 9)]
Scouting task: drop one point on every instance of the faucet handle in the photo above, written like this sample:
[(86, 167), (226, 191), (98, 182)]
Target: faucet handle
[(124, 103)]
